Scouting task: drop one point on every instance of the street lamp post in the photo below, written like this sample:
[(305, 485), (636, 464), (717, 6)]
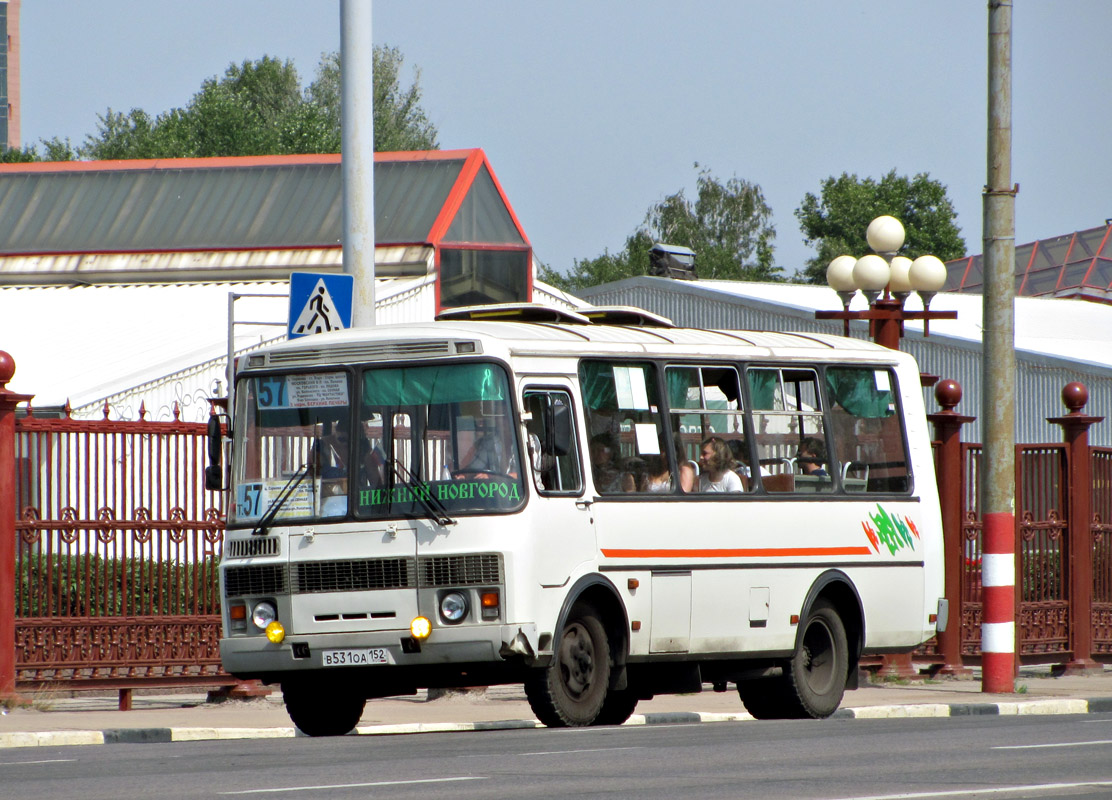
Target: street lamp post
[(886, 279)]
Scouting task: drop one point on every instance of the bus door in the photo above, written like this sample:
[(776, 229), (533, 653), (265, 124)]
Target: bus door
[(563, 534)]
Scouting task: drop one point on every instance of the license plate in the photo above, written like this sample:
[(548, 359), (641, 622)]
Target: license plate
[(361, 657)]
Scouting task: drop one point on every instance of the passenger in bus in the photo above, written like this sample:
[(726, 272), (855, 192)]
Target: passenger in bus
[(331, 452), (658, 476), (739, 449), (372, 465), (716, 468), (811, 457), (609, 479), (689, 470)]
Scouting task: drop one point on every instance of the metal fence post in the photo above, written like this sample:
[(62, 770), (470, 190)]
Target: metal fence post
[(1079, 514), (947, 430), (8, 402)]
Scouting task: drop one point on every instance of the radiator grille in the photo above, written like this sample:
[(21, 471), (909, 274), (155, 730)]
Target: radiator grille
[(254, 580), (361, 575), (467, 570), (350, 576), (250, 548)]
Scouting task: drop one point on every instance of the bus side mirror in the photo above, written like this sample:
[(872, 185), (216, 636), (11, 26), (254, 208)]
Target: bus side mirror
[(214, 472), (560, 428)]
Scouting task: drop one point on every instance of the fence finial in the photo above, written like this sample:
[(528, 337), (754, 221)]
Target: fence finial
[(7, 368), (1075, 395), (142, 409), (948, 394)]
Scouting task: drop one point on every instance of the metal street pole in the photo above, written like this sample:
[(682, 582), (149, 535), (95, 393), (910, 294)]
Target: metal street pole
[(998, 629), (357, 147)]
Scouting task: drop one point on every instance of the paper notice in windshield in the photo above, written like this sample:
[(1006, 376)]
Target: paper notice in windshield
[(315, 391), (630, 388), (253, 499)]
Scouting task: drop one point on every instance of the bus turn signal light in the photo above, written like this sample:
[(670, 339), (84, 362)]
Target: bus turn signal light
[(489, 602), (420, 628), (276, 632)]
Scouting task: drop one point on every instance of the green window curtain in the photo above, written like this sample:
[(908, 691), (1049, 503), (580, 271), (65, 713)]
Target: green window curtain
[(856, 391), (411, 386), (679, 381), (762, 388), (597, 381)]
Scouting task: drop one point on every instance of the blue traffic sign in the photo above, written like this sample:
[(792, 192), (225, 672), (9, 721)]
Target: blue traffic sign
[(319, 302)]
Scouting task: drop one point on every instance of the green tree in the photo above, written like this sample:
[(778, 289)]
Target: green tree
[(728, 226), (400, 122), (259, 108), (53, 150), (835, 222)]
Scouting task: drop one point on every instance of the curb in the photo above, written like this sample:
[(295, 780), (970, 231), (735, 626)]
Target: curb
[(915, 711)]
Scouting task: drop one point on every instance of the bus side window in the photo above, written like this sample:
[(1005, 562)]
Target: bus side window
[(627, 439), (705, 402), (868, 433), (789, 431), (551, 443)]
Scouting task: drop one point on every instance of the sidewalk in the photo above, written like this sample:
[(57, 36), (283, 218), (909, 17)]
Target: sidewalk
[(164, 716)]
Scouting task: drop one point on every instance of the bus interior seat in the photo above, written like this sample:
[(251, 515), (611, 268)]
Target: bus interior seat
[(784, 482)]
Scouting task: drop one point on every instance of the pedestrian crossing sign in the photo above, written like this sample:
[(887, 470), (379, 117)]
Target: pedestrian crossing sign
[(319, 302)]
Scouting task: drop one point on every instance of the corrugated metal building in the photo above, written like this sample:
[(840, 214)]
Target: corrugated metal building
[(1057, 340), (115, 277)]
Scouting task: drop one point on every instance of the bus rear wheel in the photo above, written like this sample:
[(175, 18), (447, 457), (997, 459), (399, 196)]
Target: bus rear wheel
[(322, 713), (819, 667), (814, 680), (572, 690)]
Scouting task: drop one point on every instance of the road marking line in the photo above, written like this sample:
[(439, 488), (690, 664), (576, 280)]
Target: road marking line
[(1053, 744), (1031, 787), (43, 761), (351, 785)]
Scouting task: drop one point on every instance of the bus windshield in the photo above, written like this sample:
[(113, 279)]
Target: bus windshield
[(446, 431), (428, 441)]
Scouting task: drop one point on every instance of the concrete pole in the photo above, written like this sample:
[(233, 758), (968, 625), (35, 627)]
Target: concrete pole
[(998, 628), (357, 146)]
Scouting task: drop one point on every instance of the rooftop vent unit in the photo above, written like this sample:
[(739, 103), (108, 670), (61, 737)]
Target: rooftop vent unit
[(672, 261)]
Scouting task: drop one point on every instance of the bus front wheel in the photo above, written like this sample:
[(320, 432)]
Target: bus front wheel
[(571, 691), (320, 713)]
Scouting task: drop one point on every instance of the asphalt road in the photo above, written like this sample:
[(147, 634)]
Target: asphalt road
[(973, 757)]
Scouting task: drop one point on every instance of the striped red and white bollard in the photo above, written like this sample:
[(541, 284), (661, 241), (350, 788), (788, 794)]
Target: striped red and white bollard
[(998, 595)]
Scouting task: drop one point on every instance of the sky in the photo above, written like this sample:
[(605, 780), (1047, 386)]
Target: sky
[(592, 111)]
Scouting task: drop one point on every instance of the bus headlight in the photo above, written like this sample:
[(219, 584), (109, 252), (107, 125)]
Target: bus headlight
[(453, 607), (263, 614)]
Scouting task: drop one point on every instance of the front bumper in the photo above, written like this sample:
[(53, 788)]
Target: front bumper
[(255, 656)]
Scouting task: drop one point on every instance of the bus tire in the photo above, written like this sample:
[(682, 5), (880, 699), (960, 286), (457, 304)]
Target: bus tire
[(617, 708), (317, 713), (818, 669), (572, 690), (766, 698)]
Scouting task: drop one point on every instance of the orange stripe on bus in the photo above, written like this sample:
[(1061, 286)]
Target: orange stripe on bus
[(754, 552)]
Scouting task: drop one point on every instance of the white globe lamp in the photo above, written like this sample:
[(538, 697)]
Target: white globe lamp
[(871, 274), (839, 275), (900, 281), (927, 274), (885, 234)]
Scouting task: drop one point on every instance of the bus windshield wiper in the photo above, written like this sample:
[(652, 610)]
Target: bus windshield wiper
[(421, 493), (279, 501)]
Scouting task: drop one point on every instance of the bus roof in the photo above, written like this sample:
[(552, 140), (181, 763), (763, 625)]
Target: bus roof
[(510, 338)]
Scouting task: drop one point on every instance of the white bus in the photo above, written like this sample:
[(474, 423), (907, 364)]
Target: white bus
[(598, 505)]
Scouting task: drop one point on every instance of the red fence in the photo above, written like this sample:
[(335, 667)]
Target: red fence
[(117, 554), (114, 551)]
